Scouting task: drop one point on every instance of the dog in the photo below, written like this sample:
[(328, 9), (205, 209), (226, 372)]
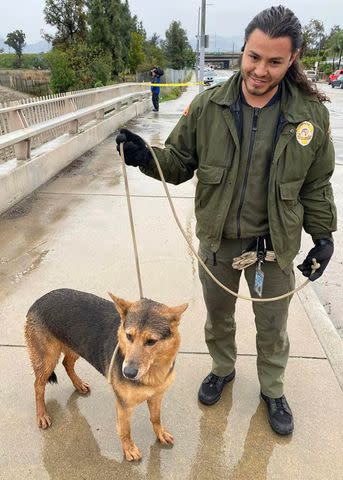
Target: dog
[(143, 333)]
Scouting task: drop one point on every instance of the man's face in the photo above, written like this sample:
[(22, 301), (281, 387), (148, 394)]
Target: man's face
[(265, 62)]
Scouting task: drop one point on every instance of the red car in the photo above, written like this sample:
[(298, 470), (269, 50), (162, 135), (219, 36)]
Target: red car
[(335, 75)]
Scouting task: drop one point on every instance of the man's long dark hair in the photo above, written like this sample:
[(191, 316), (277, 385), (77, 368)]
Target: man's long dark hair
[(279, 22)]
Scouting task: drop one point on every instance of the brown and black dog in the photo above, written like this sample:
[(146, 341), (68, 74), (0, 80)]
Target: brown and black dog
[(81, 324)]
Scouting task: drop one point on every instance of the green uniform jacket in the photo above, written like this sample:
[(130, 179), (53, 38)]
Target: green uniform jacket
[(299, 193)]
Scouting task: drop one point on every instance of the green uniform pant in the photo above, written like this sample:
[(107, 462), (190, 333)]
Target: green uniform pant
[(270, 317)]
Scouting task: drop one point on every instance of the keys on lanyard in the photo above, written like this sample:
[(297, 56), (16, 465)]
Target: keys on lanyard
[(261, 251)]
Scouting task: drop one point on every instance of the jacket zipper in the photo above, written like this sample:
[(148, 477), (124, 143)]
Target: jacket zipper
[(246, 174)]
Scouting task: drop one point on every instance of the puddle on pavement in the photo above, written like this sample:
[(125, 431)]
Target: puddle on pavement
[(35, 264), (20, 209)]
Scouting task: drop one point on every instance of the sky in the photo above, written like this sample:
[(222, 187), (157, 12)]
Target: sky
[(223, 17)]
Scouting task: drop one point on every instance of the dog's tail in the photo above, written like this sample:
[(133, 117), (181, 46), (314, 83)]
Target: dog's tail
[(52, 378)]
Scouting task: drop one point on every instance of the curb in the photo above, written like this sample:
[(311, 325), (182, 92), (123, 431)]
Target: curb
[(327, 335)]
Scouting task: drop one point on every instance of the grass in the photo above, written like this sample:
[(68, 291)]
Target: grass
[(28, 74), (173, 95), (29, 61)]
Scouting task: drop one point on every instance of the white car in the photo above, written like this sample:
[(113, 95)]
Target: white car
[(311, 75), (208, 78)]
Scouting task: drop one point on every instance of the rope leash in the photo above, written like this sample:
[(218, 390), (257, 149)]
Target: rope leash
[(127, 191), (110, 368), (132, 226), (243, 261)]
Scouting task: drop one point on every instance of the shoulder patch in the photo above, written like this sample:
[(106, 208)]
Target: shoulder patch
[(304, 133)]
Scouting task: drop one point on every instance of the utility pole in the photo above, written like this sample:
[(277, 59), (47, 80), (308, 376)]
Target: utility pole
[(202, 43), (197, 49)]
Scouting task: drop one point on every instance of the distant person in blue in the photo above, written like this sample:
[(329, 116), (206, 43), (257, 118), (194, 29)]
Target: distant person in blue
[(156, 74)]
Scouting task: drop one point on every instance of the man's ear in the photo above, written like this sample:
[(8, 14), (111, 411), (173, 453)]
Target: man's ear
[(121, 305), (174, 313), (293, 57)]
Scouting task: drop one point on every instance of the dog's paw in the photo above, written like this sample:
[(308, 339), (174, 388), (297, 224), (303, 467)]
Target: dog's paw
[(132, 452), (82, 387), (165, 437), (43, 420)]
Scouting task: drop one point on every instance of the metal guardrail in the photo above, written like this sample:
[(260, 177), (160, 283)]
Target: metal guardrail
[(30, 123)]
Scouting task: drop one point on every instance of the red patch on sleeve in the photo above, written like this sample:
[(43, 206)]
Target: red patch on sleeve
[(186, 111)]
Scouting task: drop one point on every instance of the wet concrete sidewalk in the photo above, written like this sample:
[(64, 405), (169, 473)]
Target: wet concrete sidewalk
[(74, 232)]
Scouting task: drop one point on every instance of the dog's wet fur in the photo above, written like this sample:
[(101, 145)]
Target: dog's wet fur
[(82, 324)]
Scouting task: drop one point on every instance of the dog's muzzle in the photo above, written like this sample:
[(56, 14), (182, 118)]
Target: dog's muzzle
[(130, 371)]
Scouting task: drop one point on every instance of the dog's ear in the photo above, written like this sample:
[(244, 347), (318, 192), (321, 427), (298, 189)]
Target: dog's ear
[(122, 305), (174, 313)]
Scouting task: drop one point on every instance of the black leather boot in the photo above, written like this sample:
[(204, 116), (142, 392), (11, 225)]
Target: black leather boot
[(211, 388), (279, 414)]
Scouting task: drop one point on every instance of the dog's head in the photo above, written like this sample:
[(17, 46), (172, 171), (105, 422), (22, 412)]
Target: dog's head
[(148, 335)]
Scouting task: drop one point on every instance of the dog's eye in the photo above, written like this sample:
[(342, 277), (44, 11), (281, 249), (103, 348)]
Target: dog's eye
[(150, 342), (129, 337)]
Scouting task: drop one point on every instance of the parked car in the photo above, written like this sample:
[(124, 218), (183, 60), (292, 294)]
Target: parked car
[(335, 75), (311, 75), (209, 78), (338, 82)]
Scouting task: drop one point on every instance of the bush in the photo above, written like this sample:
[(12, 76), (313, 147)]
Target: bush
[(62, 75), (40, 62), (78, 68), (90, 64), (175, 93), (101, 69), (308, 63)]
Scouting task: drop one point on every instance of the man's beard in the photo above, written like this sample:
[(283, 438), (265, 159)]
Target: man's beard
[(256, 91)]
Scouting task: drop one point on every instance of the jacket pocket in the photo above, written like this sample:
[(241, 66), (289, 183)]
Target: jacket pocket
[(289, 192), (208, 192), (210, 175)]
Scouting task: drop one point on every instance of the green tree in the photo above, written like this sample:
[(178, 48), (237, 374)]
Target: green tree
[(79, 67), (90, 64), (128, 25), (16, 40), (334, 45), (177, 48), (62, 75), (69, 18), (154, 53), (313, 36), (136, 51), (111, 25)]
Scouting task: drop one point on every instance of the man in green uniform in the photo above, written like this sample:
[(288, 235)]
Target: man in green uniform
[(262, 151)]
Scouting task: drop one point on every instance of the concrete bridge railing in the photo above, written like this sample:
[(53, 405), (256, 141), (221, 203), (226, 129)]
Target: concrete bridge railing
[(38, 138)]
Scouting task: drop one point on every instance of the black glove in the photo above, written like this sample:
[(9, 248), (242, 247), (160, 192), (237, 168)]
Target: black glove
[(136, 153), (322, 252)]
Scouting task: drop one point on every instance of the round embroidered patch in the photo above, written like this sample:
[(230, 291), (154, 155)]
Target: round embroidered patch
[(305, 133)]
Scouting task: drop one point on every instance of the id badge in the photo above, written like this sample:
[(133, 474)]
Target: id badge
[(259, 279)]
